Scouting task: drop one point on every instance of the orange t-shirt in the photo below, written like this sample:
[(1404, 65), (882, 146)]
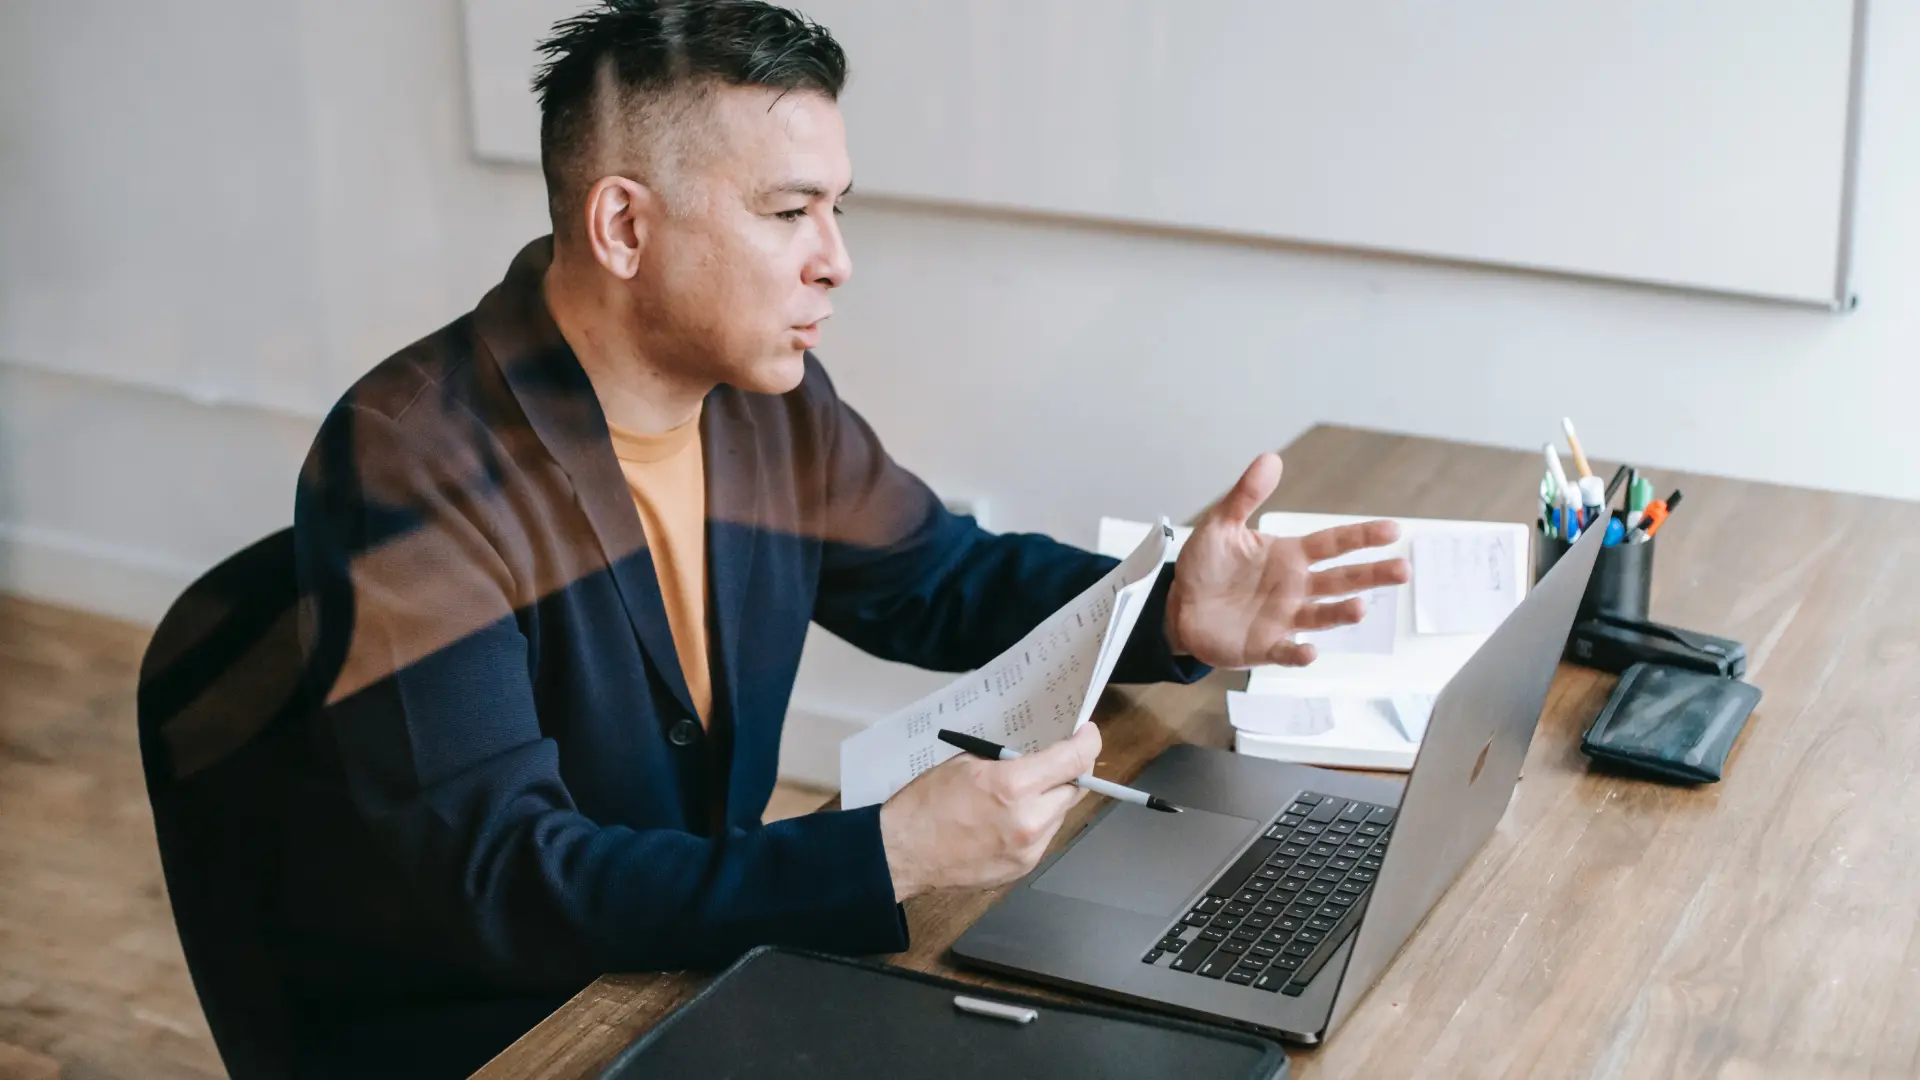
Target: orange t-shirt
[(667, 475)]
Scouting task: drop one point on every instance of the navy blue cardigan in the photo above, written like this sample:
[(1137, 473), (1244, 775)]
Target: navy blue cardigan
[(506, 790)]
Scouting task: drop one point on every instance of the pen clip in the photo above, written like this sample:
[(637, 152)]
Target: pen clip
[(995, 1010)]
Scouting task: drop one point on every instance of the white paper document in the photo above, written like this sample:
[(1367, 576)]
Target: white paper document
[(1410, 713), (1463, 581), (1322, 726), (1034, 694), (1275, 715), (1374, 633)]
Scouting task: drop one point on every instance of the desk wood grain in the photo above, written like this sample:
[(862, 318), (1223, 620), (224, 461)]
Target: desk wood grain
[(1767, 926)]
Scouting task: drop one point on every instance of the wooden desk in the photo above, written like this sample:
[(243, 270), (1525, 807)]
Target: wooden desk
[(1766, 926)]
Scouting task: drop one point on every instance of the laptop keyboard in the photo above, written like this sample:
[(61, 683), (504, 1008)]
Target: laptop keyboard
[(1288, 902)]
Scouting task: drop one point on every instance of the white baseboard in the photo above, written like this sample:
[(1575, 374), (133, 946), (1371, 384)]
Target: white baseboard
[(810, 746), (78, 572)]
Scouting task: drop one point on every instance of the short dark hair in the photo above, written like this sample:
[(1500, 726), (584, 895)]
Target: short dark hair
[(654, 56)]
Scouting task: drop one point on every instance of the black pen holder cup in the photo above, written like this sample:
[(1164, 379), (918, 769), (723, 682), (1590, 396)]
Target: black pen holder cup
[(1622, 582)]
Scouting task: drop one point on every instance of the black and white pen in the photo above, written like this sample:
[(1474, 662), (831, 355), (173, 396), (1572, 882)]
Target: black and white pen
[(993, 751)]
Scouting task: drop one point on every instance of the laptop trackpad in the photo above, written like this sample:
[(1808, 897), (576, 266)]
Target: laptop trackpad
[(1144, 860)]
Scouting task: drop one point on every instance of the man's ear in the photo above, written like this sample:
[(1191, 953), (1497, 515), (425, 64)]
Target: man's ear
[(620, 214)]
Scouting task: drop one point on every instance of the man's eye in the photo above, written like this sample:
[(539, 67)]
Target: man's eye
[(791, 215)]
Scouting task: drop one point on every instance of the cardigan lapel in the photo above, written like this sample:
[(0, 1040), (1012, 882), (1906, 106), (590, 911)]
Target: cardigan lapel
[(555, 394), (735, 491)]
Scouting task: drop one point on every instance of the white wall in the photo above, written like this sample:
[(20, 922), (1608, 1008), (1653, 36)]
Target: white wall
[(213, 214), (321, 210)]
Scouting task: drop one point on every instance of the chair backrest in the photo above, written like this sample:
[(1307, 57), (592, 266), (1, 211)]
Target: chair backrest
[(221, 688)]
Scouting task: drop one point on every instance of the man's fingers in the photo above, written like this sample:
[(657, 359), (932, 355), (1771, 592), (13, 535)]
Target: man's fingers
[(1291, 654), (1359, 577), (1057, 764), (1337, 541), (1326, 616), (1254, 487), (1052, 805)]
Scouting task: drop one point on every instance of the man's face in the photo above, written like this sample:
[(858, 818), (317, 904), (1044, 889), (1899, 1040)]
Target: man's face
[(733, 288)]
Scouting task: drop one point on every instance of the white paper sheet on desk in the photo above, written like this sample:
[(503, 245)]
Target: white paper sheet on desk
[(1274, 714), (1410, 714), (1034, 694), (1463, 581), (1320, 724)]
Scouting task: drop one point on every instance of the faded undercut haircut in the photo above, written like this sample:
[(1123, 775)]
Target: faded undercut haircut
[(624, 85)]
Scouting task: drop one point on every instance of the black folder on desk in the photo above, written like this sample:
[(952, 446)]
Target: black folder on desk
[(802, 1016)]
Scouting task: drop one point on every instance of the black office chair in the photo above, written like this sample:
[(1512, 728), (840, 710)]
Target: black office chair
[(221, 685)]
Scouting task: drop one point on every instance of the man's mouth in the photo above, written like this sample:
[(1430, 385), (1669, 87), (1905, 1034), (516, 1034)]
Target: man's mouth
[(809, 333)]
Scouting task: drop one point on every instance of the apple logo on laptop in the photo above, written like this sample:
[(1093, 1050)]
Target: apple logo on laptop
[(1479, 763)]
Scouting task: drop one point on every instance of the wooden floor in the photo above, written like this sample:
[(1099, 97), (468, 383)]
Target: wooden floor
[(92, 982)]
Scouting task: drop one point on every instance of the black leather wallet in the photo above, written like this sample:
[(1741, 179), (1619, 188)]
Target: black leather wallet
[(1670, 722)]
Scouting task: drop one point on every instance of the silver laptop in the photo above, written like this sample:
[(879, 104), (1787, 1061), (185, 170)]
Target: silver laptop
[(1283, 891)]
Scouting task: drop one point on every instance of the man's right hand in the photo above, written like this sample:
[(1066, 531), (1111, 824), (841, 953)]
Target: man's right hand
[(971, 823)]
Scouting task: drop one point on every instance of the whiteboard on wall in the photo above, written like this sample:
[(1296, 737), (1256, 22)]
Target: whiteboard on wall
[(1703, 145)]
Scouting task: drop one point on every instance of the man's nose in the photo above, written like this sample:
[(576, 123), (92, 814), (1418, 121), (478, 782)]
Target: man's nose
[(833, 265)]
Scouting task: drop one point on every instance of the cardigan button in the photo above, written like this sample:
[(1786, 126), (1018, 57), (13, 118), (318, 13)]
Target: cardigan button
[(684, 732)]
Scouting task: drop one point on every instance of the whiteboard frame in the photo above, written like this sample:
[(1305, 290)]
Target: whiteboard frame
[(489, 102), (1845, 298)]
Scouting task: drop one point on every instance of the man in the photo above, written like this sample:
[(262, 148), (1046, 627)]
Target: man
[(563, 554)]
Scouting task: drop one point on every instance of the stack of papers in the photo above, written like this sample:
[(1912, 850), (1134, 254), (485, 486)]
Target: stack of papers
[(1349, 729), (1364, 702)]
